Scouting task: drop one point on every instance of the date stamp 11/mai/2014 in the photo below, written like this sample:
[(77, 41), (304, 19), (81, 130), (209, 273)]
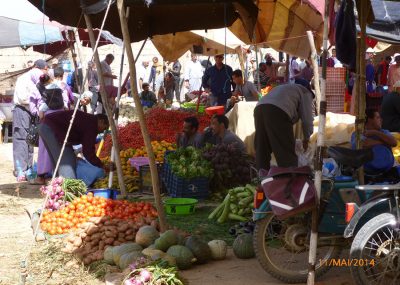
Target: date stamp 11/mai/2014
[(346, 262)]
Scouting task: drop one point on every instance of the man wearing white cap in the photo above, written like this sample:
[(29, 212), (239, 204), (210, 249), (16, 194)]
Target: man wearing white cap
[(390, 111), (394, 72)]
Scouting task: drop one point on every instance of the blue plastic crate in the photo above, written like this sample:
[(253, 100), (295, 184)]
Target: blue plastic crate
[(188, 188)]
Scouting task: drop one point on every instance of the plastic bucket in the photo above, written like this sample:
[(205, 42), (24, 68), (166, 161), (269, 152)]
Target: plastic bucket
[(180, 206), (219, 110), (105, 193)]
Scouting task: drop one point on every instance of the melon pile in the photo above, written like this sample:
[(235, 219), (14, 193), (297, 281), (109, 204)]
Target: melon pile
[(170, 246)]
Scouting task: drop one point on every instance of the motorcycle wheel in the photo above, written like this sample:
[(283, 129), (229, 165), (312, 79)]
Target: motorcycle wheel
[(282, 250), (376, 249)]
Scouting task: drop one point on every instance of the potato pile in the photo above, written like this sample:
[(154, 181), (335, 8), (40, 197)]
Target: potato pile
[(92, 237)]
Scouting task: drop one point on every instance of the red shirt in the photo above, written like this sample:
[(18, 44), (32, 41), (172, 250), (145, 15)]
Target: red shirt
[(83, 131), (383, 69)]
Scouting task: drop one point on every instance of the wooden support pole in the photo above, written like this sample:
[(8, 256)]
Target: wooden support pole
[(320, 142), (142, 122), (109, 113)]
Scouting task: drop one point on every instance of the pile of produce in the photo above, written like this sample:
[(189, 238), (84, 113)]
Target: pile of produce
[(97, 238), (159, 273), (131, 176), (80, 210), (127, 111), (170, 246), (237, 205), (231, 167), (396, 150), (159, 148), (61, 191), (162, 125), (189, 163)]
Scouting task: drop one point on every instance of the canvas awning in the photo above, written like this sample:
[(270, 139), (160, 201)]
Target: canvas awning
[(156, 17), (282, 25)]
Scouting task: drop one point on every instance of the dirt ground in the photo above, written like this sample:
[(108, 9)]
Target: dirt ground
[(16, 239)]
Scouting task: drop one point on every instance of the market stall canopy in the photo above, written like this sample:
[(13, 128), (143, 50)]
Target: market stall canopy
[(210, 42), (17, 33), (154, 17), (386, 26), (58, 47), (282, 25)]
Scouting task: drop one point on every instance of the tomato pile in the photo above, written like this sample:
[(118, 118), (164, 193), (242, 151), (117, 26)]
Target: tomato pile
[(162, 125), (87, 206)]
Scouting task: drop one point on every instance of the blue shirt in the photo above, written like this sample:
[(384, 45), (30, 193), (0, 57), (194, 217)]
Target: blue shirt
[(220, 80), (353, 137)]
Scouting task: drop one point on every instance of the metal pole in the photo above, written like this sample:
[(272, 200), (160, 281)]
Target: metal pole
[(320, 142), (104, 98), (142, 122)]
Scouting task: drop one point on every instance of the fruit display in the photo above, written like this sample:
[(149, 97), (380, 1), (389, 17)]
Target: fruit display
[(162, 125), (159, 149), (80, 210), (61, 191), (237, 205), (231, 167), (396, 149), (131, 176), (189, 163)]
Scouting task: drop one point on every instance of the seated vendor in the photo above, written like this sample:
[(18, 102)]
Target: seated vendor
[(381, 141), (147, 97), (219, 125), (244, 89), (190, 135)]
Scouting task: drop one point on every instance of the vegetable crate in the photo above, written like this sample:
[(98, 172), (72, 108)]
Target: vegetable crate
[(178, 187), (146, 185)]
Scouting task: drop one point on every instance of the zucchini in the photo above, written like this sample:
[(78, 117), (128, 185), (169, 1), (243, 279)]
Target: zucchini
[(213, 214), (225, 213), (237, 217), (245, 201)]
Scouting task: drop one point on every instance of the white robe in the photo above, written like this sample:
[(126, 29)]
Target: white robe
[(194, 73)]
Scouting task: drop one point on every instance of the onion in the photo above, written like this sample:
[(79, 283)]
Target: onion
[(56, 205), (145, 275), (131, 281)]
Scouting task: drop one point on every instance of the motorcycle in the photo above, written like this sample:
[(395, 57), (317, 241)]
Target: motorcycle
[(282, 246)]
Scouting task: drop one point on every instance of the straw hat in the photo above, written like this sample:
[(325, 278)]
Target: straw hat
[(370, 50)]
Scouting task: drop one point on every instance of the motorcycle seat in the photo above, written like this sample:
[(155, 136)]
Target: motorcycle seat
[(350, 157)]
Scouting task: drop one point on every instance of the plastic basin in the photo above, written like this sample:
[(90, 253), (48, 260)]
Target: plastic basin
[(218, 110), (105, 193), (180, 206)]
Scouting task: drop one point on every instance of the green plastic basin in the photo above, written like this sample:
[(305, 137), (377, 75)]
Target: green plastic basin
[(180, 206)]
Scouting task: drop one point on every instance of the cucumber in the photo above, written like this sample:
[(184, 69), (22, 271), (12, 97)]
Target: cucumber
[(213, 214)]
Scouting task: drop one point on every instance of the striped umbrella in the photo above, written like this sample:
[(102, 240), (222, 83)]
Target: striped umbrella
[(17, 33), (282, 25)]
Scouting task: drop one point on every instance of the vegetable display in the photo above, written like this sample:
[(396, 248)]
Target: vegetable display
[(87, 206), (189, 163), (237, 205), (156, 273), (231, 167), (61, 191), (127, 111), (162, 125)]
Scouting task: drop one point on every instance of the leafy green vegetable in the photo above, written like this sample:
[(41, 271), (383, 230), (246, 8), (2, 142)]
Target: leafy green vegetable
[(189, 163)]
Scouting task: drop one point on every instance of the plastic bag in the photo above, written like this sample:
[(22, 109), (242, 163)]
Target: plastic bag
[(87, 172), (304, 157), (330, 168)]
